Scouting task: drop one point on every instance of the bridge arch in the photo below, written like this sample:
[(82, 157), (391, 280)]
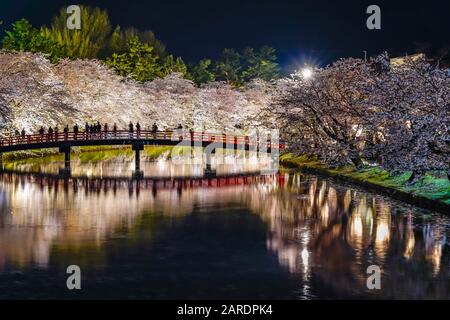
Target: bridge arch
[(137, 140)]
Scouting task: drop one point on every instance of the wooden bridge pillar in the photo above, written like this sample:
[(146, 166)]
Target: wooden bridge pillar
[(137, 148), (209, 172), (66, 150)]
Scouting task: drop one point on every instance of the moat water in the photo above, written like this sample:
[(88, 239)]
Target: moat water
[(280, 236)]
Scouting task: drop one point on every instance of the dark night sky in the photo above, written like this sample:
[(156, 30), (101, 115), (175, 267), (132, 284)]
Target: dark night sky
[(302, 31)]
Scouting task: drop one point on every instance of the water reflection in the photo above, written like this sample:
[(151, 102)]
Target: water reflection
[(324, 234), (122, 165)]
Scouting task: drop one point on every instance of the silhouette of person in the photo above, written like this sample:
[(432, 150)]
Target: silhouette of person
[(154, 130), (130, 130), (115, 129), (75, 131), (180, 131), (41, 133), (138, 129), (50, 134), (66, 131)]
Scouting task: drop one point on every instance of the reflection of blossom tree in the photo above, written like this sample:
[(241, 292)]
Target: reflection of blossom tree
[(434, 239), (346, 231), (322, 233)]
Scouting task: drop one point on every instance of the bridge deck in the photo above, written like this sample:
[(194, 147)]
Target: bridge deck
[(144, 137)]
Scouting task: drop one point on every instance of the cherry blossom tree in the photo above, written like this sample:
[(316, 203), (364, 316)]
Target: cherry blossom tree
[(349, 113), (355, 111), (35, 92), (325, 115), (412, 117)]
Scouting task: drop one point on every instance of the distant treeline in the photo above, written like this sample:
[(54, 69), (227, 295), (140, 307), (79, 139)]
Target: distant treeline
[(134, 53)]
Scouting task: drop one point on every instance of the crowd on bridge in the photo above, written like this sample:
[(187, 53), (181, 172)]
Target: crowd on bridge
[(96, 131), (92, 131)]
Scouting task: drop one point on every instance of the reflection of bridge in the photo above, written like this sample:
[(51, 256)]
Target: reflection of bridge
[(137, 140), (93, 184)]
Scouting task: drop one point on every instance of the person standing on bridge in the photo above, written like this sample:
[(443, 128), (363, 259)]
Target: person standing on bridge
[(180, 131), (105, 130), (115, 129), (86, 130), (66, 132), (138, 129), (130, 129), (99, 128), (75, 131), (23, 134), (56, 133), (154, 130), (50, 134), (41, 133)]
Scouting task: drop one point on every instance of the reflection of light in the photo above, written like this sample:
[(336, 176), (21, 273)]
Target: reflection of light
[(356, 230), (325, 214), (410, 240), (369, 221), (434, 240), (357, 227), (347, 200), (305, 257), (435, 258), (409, 248), (382, 232)]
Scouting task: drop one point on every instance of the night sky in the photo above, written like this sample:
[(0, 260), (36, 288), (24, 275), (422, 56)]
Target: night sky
[(314, 31)]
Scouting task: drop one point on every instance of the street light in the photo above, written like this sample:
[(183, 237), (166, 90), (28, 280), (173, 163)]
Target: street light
[(307, 73)]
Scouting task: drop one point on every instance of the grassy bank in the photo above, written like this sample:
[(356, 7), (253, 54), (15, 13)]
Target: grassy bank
[(432, 191)]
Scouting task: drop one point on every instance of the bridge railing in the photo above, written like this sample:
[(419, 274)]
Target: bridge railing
[(179, 135)]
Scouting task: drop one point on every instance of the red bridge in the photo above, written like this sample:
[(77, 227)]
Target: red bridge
[(137, 140)]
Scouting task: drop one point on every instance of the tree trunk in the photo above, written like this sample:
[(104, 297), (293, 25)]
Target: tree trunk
[(355, 159), (413, 178)]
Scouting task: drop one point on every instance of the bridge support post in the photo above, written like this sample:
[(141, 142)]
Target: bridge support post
[(66, 170), (209, 172), (137, 148), (1, 161)]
